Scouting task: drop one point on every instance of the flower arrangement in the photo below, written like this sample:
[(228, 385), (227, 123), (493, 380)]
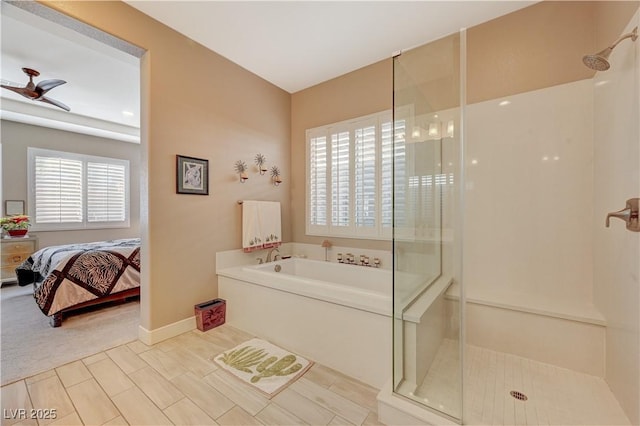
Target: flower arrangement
[(17, 222)]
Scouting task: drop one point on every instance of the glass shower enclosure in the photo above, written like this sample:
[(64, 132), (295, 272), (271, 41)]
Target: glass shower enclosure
[(427, 97), (534, 319)]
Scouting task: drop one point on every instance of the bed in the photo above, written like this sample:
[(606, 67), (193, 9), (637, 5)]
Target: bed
[(71, 277)]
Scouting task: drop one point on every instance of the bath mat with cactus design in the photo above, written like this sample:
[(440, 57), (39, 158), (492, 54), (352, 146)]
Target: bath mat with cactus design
[(263, 365)]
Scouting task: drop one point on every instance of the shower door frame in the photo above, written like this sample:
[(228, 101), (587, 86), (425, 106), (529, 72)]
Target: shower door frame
[(455, 251)]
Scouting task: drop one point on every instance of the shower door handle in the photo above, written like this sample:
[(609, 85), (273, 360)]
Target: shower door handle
[(629, 214)]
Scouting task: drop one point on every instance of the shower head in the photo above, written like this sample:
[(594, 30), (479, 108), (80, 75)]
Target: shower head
[(600, 61)]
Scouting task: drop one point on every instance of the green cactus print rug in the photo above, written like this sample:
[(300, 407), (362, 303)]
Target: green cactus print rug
[(262, 365)]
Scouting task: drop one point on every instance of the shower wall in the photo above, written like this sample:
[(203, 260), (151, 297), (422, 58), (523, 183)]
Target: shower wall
[(616, 267), (529, 159), (529, 196), (548, 167), (515, 199), (528, 219)]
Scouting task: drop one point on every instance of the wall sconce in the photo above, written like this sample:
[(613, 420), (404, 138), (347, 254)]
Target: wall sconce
[(241, 169), (275, 176), (260, 162)]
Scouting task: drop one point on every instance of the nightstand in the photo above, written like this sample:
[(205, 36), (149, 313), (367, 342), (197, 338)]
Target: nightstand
[(14, 252)]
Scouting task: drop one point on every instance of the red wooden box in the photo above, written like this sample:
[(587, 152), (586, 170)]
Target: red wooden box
[(210, 314)]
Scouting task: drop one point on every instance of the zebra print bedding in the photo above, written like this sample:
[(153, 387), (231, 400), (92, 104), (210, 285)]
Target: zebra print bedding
[(77, 273)]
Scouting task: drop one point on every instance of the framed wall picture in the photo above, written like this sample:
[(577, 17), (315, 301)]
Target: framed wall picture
[(13, 207), (192, 175)]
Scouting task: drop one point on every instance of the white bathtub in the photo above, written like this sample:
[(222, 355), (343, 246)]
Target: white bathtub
[(338, 315)]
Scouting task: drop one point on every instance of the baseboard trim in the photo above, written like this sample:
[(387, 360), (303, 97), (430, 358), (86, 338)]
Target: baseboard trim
[(151, 337)]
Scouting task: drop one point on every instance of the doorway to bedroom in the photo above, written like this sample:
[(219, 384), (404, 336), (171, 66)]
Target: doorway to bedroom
[(77, 175)]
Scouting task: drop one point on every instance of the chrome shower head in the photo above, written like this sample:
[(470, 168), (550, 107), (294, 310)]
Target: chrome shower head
[(600, 61)]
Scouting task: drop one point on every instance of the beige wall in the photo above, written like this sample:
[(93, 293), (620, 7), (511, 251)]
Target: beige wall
[(361, 92), (536, 47), (540, 46), (16, 137), (195, 103)]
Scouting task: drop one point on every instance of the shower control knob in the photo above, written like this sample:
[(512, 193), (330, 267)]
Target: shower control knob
[(630, 214)]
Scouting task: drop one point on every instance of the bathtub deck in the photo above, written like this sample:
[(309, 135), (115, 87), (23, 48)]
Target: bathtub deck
[(556, 396), (174, 382)]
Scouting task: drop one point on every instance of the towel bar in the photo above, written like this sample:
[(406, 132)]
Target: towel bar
[(240, 201)]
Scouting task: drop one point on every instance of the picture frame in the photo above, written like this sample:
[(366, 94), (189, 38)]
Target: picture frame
[(192, 175), (13, 207)]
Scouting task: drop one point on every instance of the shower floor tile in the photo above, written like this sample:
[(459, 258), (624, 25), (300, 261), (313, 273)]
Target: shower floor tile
[(555, 395)]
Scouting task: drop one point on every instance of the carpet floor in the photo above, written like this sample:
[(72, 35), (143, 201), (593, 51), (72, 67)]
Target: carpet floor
[(29, 345)]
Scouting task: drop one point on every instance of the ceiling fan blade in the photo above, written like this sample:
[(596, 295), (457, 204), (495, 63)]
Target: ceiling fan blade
[(33, 92), (30, 94), (54, 102), (45, 85)]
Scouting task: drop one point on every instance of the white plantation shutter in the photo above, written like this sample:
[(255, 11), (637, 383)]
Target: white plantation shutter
[(340, 179), (106, 192), (57, 190), (318, 181), (76, 191), (386, 176), (366, 182), (399, 206)]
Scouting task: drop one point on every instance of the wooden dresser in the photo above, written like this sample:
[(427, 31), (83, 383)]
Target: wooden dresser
[(14, 252)]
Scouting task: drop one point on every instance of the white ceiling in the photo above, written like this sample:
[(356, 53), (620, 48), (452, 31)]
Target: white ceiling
[(102, 81), (298, 44), (292, 44)]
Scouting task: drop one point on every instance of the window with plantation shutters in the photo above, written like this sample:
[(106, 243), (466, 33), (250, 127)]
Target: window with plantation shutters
[(75, 191), (350, 168)]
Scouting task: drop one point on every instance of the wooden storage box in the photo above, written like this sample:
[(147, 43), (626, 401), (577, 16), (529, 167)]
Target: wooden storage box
[(210, 314)]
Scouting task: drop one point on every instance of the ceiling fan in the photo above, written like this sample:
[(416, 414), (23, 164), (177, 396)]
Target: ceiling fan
[(37, 92)]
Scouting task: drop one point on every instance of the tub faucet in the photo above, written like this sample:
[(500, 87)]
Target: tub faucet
[(270, 253)]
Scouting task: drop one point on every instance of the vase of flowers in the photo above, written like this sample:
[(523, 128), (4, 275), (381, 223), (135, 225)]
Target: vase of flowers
[(16, 226)]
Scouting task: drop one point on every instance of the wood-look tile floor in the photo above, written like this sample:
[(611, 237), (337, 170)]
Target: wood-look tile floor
[(174, 382), (556, 395)]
